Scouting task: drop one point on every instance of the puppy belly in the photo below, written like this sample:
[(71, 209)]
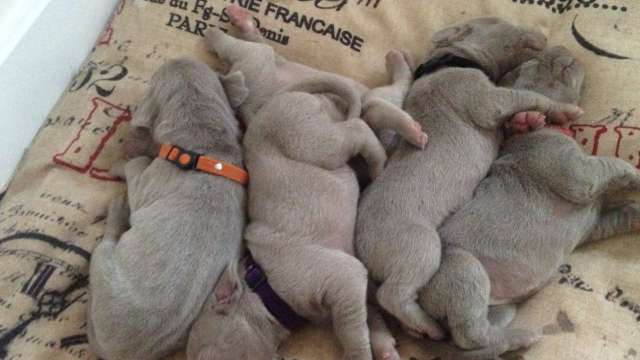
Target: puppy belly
[(511, 283)]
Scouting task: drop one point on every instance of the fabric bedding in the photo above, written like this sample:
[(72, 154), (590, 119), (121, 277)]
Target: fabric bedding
[(53, 212)]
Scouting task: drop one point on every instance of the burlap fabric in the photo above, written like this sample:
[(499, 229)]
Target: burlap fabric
[(53, 213)]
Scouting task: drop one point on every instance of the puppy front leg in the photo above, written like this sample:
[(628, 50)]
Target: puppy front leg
[(559, 113), (582, 179), (618, 221), (334, 280), (507, 102), (460, 292)]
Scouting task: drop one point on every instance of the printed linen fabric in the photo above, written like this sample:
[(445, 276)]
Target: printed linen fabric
[(53, 213)]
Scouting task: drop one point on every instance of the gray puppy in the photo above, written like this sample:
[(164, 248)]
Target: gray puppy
[(163, 251), (542, 199), (302, 208), (268, 73), (461, 108)]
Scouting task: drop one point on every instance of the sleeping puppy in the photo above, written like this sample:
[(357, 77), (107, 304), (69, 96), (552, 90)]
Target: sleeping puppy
[(268, 73), (302, 209), (456, 101), (542, 199), (163, 251)]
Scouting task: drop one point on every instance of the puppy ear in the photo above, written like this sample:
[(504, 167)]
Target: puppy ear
[(235, 87), (228, 290), (147, 111), (451, 35)]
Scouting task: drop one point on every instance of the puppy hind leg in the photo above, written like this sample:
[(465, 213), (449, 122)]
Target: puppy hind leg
[(243, 21), (502, 315), (331, 145), (383, 343), (233, 50), (380, 115), (382, 106), (418, 258), (617, 221), (343, 291), (460, 291)]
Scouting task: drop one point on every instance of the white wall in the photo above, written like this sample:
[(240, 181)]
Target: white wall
[(42, 45)]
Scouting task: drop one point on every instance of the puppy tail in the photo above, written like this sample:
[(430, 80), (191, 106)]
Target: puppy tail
[(332, 85)]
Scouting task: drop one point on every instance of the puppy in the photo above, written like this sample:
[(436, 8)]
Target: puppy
[(268, 73), (542, 199), (302, 209), (165, 248), (456, 101)]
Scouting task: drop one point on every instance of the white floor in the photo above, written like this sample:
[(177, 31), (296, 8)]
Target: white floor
[(42, 44)]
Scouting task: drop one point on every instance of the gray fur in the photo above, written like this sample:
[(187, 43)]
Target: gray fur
[(542, 198), (153, 270), (267, 74), (461, 109), (302, 209)]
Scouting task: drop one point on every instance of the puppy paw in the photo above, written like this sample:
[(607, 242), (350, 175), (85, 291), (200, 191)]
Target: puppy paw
[(521, 338), (417, 137), (564, 113), (241, 18), (524, 122), (384, 347), (411, 332), (433, 332), (398, 63)]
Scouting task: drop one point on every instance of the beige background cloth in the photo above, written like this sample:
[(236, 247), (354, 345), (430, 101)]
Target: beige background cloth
[(53, 213)]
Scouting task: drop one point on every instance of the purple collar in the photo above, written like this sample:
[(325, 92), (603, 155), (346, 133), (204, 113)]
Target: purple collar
[(257, 281)]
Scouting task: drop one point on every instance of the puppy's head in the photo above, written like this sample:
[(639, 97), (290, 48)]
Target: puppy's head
[(186, 99), (233, 324), (554, 73), (494, 43)]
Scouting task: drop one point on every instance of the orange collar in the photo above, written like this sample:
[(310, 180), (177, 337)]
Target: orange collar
[(189, 160)]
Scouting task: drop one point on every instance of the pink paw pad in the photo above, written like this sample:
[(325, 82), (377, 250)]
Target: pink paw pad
[(526, 121), (240, 18), (418, 137)]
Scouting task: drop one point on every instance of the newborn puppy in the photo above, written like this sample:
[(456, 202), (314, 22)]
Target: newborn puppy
[(462, 109), (267, 73), (542, 199), (302, 209), (163, 251)]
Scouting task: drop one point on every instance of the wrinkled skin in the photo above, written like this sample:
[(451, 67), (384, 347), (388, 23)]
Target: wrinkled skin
[(267, 74), (542, 199), (302, 207), (312, 118), (171, 238), (462, 110)]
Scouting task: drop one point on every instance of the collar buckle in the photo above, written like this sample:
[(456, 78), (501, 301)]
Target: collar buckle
[(254, 276), (182, 158)]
